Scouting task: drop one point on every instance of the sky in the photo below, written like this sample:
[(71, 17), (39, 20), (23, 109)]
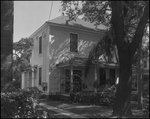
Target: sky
[(30, 15)]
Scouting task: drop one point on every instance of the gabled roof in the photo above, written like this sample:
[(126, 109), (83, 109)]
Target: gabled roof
[(78, 23)]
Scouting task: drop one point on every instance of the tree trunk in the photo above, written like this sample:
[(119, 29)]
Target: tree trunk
[(122, 106), (126, 51)]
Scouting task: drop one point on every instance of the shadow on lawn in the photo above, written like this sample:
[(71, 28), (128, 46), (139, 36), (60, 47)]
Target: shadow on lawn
[(93, 111), (49, 113)]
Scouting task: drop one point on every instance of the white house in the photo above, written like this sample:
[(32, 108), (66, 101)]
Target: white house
[(59, 55)]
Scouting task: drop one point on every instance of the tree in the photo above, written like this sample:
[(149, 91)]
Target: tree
[(127, 22), (6, 41), (21, 58)]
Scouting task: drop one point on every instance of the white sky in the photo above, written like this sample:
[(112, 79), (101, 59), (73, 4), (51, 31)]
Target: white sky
[(30, 15)]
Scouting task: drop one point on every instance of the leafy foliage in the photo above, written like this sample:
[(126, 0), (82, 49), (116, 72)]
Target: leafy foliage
[(6, 41), (127, 22), (20, 104), (105, 97), (21, 57)]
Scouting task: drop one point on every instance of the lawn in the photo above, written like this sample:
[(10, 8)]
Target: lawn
[(92, 111), (41, 111)]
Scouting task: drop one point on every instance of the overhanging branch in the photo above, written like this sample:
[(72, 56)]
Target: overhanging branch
[(137, 39)]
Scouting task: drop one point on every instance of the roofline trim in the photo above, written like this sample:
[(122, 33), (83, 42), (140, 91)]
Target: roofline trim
[(76, 28), (67, 26), (43, 25)]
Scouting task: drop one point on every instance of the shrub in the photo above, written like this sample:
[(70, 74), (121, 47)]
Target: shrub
[(134, 96), (34, 92), (105, 97), (19, 104)]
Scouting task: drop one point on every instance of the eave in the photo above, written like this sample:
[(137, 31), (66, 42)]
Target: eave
[(98, 32)]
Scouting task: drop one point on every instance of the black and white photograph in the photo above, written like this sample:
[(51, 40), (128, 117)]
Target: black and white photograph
[(75, 59)]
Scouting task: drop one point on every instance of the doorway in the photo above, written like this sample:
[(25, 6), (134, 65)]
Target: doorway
[(112, 77), (102, 73), (77, 80)]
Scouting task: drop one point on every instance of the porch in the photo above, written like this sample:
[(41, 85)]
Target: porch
[(29, 77), (72, 75)]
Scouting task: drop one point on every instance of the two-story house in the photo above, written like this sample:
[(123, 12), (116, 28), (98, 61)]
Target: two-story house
[(59, 56)]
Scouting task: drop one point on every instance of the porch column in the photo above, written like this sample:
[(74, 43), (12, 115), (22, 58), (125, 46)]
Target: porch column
[(95, 90), (33, 77), (71, 79), (27, 79), (23, 80)]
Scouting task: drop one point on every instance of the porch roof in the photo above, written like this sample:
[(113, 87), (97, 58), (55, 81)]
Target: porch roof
[(80, 61), (75, 61), (108, 65), (29, 68)]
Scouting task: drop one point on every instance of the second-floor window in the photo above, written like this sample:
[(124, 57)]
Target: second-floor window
[(73, 42), (40, 44), (40, 76)]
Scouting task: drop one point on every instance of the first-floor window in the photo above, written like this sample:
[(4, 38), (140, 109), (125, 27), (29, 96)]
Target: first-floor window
[(112, 77), (102, 79), (40, 76)]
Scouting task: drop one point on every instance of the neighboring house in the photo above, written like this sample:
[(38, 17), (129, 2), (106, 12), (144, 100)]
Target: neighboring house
[(59, 55), (144, 73), (145, 70)]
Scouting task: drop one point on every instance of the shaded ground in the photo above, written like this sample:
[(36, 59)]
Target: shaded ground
[(50, 113), (93, 111)]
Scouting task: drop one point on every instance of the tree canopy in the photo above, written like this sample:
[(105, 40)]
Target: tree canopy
[(6, 41), (22, 51), (127, 22)]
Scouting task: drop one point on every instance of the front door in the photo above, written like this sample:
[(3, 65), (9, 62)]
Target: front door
[(102, 79), (77, 81), (67, 81), (112, 77)]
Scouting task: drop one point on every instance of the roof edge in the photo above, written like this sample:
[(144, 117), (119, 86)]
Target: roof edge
[(43, 25), (82, 29)]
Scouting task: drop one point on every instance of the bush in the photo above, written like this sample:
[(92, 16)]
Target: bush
[(19, 104), (34, 92), (105, 97), (134, 96)]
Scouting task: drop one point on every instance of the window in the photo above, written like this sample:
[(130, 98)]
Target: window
[(73, 42), (40, 76), (145, 64), (102, 73), (40, 44), (112, 76)]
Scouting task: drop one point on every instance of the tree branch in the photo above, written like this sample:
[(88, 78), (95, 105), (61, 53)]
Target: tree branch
[(137, 39), (118, 23)]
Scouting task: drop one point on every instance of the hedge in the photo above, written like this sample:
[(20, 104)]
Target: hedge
[(19, 104)]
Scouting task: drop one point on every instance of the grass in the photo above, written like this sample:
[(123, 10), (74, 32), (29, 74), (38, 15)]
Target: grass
[(50, 113), (92, 111)]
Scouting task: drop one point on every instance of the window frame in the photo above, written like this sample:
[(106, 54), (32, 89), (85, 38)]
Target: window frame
[(77, 41), (145, 63), (40, 76), (40, 44)]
